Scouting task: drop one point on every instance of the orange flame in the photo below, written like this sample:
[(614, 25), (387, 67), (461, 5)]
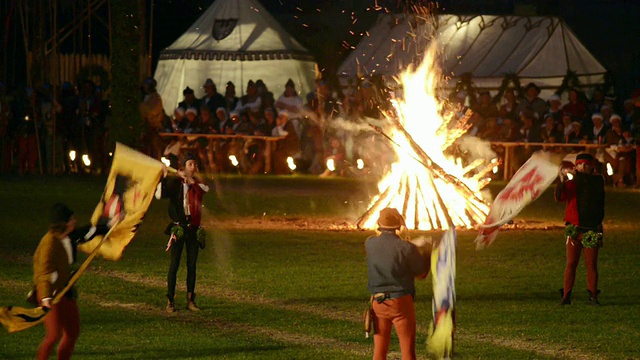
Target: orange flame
[(431, 189)]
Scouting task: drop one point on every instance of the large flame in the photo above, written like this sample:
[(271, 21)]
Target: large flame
[(431, 189)]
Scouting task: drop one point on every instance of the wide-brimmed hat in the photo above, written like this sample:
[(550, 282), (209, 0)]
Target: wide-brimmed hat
[(390, 218)]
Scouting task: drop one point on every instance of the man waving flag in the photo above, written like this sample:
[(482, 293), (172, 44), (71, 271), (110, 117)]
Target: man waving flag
[(127, 195)]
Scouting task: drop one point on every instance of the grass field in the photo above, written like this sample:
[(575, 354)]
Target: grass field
[(279, 281)]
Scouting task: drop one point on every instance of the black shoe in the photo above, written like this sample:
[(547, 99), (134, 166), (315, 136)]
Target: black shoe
[(594, 301), (566, 300)]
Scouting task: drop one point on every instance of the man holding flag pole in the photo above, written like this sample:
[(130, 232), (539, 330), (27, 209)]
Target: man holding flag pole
[(51, 273), (127, 195)]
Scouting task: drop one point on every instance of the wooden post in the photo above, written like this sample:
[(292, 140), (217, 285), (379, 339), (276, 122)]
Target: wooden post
[(55, 79)]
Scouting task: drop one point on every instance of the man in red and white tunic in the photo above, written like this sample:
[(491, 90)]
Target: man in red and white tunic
[(185, 193)]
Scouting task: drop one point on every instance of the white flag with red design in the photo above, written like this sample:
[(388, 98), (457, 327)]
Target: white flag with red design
[(528, 183)]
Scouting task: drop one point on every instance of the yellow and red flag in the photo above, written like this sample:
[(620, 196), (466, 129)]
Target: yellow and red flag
[(127, 195)]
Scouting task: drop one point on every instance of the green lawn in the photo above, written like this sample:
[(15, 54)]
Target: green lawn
[(299, 293)]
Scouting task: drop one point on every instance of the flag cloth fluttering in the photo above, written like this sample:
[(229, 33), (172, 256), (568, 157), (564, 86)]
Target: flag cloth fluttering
[(528, 183), (127, 195), (130, 188), (443, 273)]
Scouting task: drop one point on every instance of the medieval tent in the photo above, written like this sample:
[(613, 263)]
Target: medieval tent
[(487, 48), (237, 41)]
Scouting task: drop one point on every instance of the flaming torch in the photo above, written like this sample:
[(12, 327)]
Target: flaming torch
[(431, 189)]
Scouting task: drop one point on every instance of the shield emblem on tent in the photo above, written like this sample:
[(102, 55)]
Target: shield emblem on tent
[(223, 27)]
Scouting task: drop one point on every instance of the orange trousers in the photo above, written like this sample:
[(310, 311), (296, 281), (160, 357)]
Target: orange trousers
[(401, 314), (63, 321), (574, 248)]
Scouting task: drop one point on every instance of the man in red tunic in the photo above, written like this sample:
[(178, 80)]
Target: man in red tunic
[(584, 195), (185, 193)]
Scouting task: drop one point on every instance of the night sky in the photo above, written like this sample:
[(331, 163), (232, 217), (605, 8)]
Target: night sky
[(608, 28)]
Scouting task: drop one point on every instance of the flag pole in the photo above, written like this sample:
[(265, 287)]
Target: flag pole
[(82, 267)]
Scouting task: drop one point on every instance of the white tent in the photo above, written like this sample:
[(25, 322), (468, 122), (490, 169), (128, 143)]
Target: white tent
[(238, 41), (536, 49)]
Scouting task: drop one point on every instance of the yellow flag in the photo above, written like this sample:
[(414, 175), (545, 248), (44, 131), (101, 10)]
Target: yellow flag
[(127, 195)]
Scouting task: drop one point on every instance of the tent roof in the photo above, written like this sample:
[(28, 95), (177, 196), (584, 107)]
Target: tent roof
[(540, 49), (236, 30)]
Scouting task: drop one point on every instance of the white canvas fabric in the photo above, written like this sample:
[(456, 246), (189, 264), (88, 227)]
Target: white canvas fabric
[(537, 49), (238, 41)]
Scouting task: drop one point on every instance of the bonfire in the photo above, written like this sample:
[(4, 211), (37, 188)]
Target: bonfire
[(430, 187)]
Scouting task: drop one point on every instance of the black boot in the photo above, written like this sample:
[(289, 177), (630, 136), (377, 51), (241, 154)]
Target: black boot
[(566, 299), (593, 298)]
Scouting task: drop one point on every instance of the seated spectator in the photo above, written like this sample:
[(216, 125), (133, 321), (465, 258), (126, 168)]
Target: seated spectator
[(230, 98), (211, 97), (208, 124), (485, 106), (223, 120), (567, 125), (529, 132), (576, 136), (189, 99), (250, 101), (244, 125), (606, 112), (192, 125), (175, 122), (620, 153), (598, 132), (532, 101), (555, 110), (509, 108), (549, 130), (491, 131), (576, 107), (291, 102), (266, 123), (629, 113), (508, 131)]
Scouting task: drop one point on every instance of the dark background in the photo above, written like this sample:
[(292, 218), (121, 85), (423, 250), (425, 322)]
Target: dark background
[(610, 29)]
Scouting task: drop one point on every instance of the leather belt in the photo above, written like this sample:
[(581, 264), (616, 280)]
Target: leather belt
[(382, 296)]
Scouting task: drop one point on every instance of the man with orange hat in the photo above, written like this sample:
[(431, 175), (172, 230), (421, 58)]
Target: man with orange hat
[(392, 264), (584, 195)]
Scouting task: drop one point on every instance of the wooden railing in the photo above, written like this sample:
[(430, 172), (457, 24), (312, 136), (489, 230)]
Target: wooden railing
[(509, 155), (270, 142)]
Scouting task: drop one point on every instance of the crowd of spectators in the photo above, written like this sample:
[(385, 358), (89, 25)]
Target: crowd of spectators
[(580, 120), (306, 126), (303, 125)]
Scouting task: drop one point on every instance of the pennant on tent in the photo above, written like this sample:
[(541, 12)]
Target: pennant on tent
[(443, 274), (526, 185), (128, 193)]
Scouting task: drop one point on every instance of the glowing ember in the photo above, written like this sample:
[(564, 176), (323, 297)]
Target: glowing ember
[(432, 190)]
